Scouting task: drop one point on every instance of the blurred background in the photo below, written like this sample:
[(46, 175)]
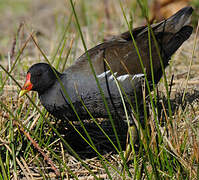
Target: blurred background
[(99, 19)]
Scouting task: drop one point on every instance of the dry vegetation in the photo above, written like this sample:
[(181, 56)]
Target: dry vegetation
[(48, 21)]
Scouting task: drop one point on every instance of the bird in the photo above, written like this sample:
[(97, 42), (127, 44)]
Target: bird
[(116, 64), (42, 78)]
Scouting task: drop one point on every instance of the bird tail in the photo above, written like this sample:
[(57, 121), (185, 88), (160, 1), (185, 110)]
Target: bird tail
[(176, 22), (172, 32), (177, 40)]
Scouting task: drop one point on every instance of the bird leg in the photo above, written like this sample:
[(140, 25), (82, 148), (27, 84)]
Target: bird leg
[(132, 136)]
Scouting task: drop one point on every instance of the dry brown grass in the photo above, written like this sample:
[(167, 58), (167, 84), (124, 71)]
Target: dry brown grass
[(181, 139)]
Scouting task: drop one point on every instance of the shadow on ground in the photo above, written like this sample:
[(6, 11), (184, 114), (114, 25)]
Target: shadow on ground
[(101, 142)]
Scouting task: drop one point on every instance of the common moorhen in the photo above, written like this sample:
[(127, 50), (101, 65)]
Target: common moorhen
[(120, 53)]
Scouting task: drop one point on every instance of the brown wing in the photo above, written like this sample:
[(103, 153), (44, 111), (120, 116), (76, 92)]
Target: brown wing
[(122, 56)]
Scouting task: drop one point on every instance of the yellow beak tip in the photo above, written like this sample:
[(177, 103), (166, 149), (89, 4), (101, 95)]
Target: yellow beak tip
[(22, 92)]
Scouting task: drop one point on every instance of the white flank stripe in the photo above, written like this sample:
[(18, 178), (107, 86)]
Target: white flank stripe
[(103, 74), (122, 78), (112, 76), (138, 76)]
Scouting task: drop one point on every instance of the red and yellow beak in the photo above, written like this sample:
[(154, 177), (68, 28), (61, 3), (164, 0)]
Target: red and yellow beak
[(27, 86)]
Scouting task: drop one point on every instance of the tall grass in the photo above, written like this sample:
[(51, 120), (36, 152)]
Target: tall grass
[(30, 136)]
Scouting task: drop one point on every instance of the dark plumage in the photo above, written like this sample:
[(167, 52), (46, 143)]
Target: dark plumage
[(122, 57)]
